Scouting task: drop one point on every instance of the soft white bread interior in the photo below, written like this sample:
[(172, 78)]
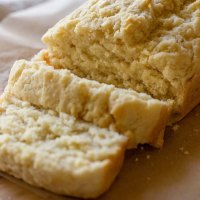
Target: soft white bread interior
[(137, 115), (57, 152)]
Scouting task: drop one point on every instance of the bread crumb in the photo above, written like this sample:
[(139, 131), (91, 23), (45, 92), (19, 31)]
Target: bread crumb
[(148, 178), (136, 159), (148, 156), (196, 130), (175, 127), (181, 148), (184, 151)]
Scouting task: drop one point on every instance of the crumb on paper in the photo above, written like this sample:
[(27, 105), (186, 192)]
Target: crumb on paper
[(175, 127), (181, 148), (196, 130), (184, 151), (148, 178), (148, 156), (136, 159)]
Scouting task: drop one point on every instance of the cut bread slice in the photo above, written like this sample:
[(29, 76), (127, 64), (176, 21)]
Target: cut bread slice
[(57, 152), (149, 46), (140, 117)]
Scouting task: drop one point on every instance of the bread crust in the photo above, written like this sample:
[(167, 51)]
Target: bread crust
[(191, 98)]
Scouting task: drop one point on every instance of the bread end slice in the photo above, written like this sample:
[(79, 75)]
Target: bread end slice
[(56, 152)]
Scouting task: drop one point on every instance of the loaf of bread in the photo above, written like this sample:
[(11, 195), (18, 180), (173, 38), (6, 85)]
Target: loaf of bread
[(149, 46), (137, 115), (57, 152)]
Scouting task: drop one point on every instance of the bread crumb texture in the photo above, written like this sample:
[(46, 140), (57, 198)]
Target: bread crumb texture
[(137, 115), (57, 152), (151, 46)]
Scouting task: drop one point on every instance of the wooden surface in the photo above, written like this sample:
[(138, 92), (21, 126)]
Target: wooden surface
[(172, 173)]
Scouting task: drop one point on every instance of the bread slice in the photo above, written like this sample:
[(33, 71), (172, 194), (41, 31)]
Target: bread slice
[(138, 116), (149, 46), (57, 152)]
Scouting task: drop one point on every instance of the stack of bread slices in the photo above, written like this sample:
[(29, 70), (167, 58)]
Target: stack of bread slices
[(114, 74)]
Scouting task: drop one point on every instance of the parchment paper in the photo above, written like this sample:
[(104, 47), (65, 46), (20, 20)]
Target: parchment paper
[(8, 6), (172, 173)]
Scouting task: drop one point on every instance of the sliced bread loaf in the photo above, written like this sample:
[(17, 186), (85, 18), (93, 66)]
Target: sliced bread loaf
[(149, 46)]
